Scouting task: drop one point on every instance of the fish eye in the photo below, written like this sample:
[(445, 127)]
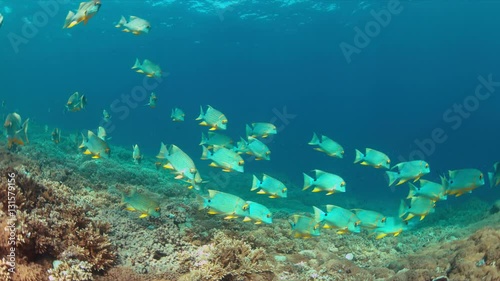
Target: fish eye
[(269, 152), (283, 190), (268, 215), (481, 176), (342, 152), (342, 183), (388, 161), (241, 163), (426, 165), (157, 209)]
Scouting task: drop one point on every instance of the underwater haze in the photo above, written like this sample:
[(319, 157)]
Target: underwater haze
[(417, 80)]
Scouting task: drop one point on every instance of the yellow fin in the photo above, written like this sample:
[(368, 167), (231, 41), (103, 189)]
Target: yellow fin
[(213, 212), (397, 233), (179, 176), (330, 193), (409, 217), (203, 123), (380, 236), (143, 215), (273, 196), (230, 217), (226, 170), (422, 217), (261, 192), (319, 149), (247, 219), (131, 209), (212, 128), (213, 164), (97, 156), (258, 222), (317, 189), (343, 231), (402, 181), (140, 70), (168, 166), (87, 152)]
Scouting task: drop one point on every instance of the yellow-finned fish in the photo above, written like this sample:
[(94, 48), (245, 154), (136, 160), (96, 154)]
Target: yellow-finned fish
[(85, 11), (142, 203), (95, 146), (327, 145), (258, 149), (76, 102), (327, 182), (392, 226), (270, 186), (257, 212), (373, 158), (462, 181), (241, 146), (135, 25), (148, 68), (216, 139), (429, 189), (411, 170), (177, 115), (419, 206), (56, 135), (494, 176), (152, 100), (304, 227), (182, 165), (223, 158), (338, 218), (13, 128), (260, 129), (136, 154), (370, 219), (212, 118), (221, 203)]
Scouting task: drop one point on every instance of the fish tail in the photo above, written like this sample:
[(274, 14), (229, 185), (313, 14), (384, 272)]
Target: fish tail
[(255, 183), (315, 140), (69, 18), (413, 191), (359, 156), (248, 130), (308, 181), (202, 115), (204, 139), (83, 142), (402, 208), (444, 182), (391, 177), (490, 178), (318, 214), (122, 22), (137, 64), (204, 154)]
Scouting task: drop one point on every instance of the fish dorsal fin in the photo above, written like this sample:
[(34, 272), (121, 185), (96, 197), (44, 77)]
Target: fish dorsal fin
[(132, 18), (81, 5), (319, 173), (329, 208), (212, 193)]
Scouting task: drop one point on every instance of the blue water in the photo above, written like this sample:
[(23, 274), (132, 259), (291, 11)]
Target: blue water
[(262, 57)]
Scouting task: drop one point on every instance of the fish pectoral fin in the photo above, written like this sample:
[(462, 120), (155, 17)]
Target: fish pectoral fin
[(317, 189), (132, 209), (319, 149), (139, 71), (330, 193), (143, 215), (261, 191), (213, 128), (422, 217), (168, 166), (203, 123), (227, 170), (397, 233), (213, 164), (229, 217), (258, 222), (97, 156), (87, 152), (211, 212), (126, 30), (364, 163), (273, 196)]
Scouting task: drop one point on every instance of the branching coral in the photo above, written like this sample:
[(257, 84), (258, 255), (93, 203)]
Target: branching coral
[(226, 259)]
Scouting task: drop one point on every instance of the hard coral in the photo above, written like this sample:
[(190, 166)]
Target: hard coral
[(226, 259)]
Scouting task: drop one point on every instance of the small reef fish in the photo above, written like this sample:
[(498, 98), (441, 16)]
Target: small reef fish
[(212, 118), (56, 135), (95, 146), (429, 189), (85, 11), (304, 227), (494, 176), (258, 149), (223, 158), (76, 102), (13, 128), (221, 203), (339, 218), (216, 139), (392, 226), (270, 186), (373, 158), (136, 154), (330, 183), (327, 145), (1, 20), (370, 219), (462, 181), (135, 25), (101, 133), (262, 130), (419, 206), (257, 212), (177, 115), (148, 68), (142, 203), (182, 165), (105, 116), (152, 100), (411, 170)]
